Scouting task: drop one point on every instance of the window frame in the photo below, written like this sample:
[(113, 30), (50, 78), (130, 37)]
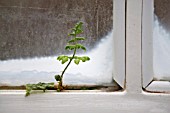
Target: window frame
[(149, 83), (147, 42), (119, 42)]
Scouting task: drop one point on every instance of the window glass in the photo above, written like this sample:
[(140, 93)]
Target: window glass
[(34, 33), (161, 40)]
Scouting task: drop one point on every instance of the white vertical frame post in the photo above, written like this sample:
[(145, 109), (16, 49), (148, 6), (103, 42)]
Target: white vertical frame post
[(147, 42), (133, 46), (119, 42)]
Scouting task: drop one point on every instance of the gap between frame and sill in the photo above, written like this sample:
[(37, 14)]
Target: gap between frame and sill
[(51, 92), (70, 89)]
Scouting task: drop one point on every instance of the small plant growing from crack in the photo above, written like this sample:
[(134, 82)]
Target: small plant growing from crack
[(72, 45)]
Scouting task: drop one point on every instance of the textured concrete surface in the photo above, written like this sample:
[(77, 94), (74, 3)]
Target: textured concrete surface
[(28, 25), (39, 28), (162, 10), (85, 103)]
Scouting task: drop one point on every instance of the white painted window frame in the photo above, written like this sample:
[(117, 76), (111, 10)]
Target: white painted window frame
[(149, 84), (133, 99), (147, 42), (119, 42)]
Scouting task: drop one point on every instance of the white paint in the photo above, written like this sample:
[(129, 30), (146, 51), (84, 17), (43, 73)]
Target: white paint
[(147, 42), (119, 42), (133, 46)]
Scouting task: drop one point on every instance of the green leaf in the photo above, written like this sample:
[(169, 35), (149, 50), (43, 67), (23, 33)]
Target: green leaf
[(79, 46), (38, 86), (64, 60), (76, 61), (72, 40), (79, 26), (78, 31), (73, 33), (80, 38), (50, 85), (87, 58), (83, 48), (41, 87), (76, 39), (84, 58), (60, 57), (75, 57), (70, 47)]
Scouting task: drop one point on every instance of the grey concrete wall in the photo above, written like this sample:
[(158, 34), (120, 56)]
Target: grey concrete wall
[(36, 28), (162, 10)]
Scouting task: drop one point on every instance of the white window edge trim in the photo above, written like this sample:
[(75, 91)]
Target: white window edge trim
[(147, 42), (119, 42)]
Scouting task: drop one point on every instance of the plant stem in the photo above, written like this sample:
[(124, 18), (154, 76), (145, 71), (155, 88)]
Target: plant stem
[(69, 63), (61, 81)]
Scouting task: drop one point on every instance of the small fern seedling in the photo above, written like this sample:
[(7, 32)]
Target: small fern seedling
[(72, 45)]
